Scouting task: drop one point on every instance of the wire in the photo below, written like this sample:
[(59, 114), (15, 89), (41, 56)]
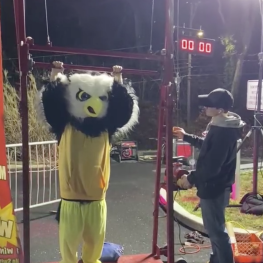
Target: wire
[(187, 245), (261, 14), (151, 34), (46, 14), (46, 56)]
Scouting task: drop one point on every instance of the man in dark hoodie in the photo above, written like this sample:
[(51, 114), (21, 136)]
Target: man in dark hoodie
[(215, 168)]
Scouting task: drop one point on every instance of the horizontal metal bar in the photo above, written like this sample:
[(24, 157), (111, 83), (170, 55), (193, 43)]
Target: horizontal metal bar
[(98, 69), (31, 144), (38, 205), (99, 53)]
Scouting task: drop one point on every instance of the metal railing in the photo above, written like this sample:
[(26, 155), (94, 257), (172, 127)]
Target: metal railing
[(44, 183)]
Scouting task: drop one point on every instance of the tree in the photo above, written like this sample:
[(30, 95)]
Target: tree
[(229, 61), (238, 19)]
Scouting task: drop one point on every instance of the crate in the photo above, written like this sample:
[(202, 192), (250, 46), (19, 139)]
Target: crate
[(248, 248)]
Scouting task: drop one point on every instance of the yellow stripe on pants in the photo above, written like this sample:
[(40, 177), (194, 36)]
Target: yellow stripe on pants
[(82, 223)]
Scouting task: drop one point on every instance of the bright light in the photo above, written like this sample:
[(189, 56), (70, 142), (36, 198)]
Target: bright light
[(200, 33)]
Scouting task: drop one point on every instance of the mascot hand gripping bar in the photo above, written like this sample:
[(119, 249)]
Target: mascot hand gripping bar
[(84, 111)]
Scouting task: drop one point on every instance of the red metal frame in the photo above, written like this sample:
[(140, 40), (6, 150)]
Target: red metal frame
[(165, 115), (98, 53), (98, 69)]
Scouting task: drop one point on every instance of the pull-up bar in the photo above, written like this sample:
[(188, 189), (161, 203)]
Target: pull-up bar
[(98, 53), (98, 69)]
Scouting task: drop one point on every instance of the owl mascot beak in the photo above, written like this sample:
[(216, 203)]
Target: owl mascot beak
[(93, 107)]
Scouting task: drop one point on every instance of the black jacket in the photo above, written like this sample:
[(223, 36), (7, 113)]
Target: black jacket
[(216, 164)]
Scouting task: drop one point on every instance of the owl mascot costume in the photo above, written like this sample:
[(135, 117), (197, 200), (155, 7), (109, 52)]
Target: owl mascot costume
[(84, 111)]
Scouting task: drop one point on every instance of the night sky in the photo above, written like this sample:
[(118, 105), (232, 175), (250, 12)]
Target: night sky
[(126, 25)]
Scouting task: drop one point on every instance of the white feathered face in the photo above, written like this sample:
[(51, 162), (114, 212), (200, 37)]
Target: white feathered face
[(87, 95)]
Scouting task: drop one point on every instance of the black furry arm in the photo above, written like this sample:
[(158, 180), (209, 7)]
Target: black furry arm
[(123, 112), (55, 106)]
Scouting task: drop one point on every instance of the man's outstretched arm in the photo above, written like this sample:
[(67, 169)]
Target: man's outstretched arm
[(194, 140)]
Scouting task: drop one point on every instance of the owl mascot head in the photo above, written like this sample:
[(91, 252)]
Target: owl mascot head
[(84, 111)]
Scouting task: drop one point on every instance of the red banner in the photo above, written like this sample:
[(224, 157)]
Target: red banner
[(10, 249)]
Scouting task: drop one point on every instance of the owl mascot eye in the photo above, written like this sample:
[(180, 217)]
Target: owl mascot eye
[(84, 111)]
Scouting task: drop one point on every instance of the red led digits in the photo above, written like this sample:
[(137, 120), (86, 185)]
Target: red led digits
[(184, 44), (188, 44), (196, 46), (191, 45), (208, 48), (201, 46)]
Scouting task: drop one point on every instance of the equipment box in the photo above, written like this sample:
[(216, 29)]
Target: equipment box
[(125, 151)]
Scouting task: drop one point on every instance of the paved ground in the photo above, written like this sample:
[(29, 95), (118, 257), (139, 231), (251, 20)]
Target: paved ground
[(130, 208)]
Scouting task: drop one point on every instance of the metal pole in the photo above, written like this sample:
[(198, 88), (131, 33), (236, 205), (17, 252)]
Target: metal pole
[(25, 151), (158, 173), (178, 79), (23, 52), (188, 110), (257, 133), (168, 83)]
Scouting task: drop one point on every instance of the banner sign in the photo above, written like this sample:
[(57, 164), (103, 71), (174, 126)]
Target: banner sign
[(252, 95), (10, 245)]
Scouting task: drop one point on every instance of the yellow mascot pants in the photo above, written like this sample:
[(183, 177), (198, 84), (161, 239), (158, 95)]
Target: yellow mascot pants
[(82, 223)]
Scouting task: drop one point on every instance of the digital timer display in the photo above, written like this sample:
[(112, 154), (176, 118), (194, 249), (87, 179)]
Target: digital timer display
[(203, 47)]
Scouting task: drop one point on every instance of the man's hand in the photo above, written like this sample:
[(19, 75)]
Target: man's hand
[(57, 64), (178, 132), (184, 183)]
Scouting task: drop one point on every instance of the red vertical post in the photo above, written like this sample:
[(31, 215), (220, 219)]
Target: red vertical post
[(158, 173), (25, 151), (169, 84), (23, 52)]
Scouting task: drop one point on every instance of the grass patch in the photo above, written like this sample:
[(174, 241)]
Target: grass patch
[(189, 200), (37, 130)]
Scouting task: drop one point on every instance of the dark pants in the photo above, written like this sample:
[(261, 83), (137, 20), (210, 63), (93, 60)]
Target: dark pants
[(213, 213)]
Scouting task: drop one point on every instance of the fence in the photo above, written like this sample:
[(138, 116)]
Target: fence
[(44, 183)]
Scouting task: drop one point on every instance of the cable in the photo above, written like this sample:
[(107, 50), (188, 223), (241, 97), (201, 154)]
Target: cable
[(151, 33), (46, 56), (47, 27), (187, 245)]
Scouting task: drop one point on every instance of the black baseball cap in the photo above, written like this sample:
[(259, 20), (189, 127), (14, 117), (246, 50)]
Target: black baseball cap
[(218, 98)]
